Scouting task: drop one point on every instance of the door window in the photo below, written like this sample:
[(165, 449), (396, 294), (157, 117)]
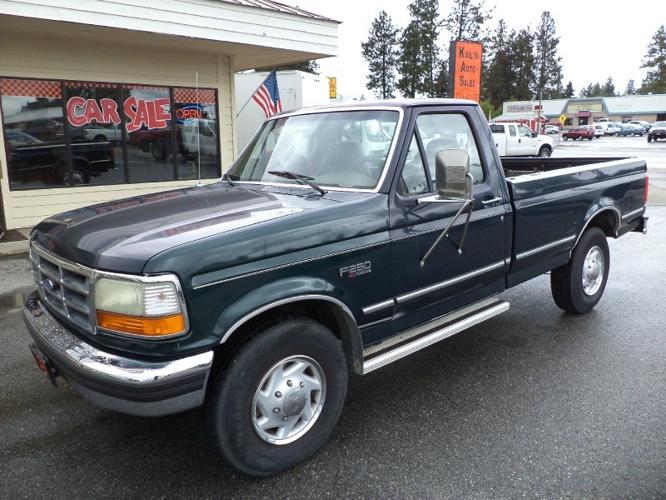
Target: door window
[(524, 131), (512, 130), (413, 179), (449, 131)]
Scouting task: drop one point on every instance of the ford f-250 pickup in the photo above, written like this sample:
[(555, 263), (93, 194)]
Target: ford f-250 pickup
[(342, 239)]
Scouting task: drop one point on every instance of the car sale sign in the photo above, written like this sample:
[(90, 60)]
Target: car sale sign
[(151, 114), (465, 62)]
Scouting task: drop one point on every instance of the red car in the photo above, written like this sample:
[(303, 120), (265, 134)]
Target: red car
[(578, 133)]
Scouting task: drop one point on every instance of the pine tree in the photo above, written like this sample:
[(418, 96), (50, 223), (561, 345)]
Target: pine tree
[(631, 88), (655, 61), (521, 57), (548, 64), (381, 53), (442, 79), (608, 88), (419, 54), (569, 90), (498, 79), (466, 20), (409, 61)]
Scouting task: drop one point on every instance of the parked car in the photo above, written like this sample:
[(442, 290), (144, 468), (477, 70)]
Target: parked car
[(636, 128), (599, 130), (658, 131), (516, 139), (625, 130), (581, 132), (612, 128), (99, 133), (646, 126), (27, 155), (552, 129), (259, 295)]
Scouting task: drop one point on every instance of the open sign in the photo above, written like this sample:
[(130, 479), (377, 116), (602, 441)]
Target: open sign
[(189, 112)]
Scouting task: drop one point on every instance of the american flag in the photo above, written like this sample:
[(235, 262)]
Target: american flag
[(267, 96)]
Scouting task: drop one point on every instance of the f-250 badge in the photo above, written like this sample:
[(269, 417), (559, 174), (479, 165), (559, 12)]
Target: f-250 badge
[(354, 270)]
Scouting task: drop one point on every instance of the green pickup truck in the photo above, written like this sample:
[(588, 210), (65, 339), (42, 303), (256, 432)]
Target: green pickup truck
[(342, 239)]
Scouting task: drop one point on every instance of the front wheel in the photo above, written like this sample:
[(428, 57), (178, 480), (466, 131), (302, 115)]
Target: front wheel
[(544, 152), (279, 398), (578, 285)]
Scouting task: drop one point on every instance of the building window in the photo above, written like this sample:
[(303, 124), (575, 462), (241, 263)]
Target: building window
[(195, 113), (94, 131), (67, 133), (34, 135), (147, 113)]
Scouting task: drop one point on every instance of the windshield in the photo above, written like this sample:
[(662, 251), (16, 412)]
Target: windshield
[(346, 149)]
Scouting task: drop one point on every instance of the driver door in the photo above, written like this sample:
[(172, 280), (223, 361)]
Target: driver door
[(449, 278)]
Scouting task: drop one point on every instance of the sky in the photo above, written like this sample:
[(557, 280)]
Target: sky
[(598, 39)]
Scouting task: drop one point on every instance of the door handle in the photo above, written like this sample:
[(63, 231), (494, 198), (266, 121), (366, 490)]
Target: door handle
[(492, 201)]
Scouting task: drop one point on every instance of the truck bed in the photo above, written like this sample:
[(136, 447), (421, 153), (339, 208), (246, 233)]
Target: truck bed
[(553, 198)]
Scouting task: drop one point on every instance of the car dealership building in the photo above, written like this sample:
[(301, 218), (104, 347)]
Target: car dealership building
[(104, 100)]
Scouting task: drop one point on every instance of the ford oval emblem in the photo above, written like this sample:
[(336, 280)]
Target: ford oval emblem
[(49, 284)]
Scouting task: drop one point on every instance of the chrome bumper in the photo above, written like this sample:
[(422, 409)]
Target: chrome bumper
[(136, 387)]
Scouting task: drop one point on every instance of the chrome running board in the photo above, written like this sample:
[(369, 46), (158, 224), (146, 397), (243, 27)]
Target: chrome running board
[(419, 337)]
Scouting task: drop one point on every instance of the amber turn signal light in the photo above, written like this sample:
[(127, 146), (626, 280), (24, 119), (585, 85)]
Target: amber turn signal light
[(140, 325)]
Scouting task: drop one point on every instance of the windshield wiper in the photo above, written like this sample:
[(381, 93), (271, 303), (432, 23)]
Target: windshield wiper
[(301, 179)]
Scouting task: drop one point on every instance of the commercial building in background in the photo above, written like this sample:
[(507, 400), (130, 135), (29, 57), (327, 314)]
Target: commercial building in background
[(297, 89), (585, 111), (103, 100)]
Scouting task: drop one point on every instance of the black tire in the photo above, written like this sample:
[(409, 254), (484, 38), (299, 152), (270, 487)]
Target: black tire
[(566, 282), (544, 152), (100, 138), (230, 409)]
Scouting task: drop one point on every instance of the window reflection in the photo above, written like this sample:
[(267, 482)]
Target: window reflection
[(83, 133), (196, 132), (34, 138), (148, 121), (94, 126)]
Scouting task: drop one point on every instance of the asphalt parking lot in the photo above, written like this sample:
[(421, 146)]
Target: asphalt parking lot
[(533, 403)]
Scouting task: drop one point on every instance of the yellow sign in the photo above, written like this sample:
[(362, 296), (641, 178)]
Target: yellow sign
[(588, 106), (332, 87), (563, 118)]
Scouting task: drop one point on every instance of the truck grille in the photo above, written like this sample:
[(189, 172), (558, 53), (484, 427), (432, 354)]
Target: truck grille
[(64, 286)]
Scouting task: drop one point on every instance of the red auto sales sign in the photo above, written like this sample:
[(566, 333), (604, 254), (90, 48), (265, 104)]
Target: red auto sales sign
[(153, 114)]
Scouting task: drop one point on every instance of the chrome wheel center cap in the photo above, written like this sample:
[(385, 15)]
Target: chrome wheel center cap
[(294, 402)]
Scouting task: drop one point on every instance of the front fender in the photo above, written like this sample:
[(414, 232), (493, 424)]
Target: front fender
[(289, 290)]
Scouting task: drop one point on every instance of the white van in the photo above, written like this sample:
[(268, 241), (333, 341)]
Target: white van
[(515, 139)]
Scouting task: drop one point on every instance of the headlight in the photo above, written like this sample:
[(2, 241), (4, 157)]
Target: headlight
[(148, 309)]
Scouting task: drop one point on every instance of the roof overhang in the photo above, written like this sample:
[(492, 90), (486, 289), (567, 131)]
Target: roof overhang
[(253, 37)]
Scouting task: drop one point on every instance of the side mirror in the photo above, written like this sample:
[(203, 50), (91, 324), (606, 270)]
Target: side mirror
[(452, 177), (535, 134)]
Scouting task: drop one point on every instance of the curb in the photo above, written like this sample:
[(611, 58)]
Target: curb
[(12, 248)]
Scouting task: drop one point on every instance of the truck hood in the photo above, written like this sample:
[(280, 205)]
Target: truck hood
[(122, 235)]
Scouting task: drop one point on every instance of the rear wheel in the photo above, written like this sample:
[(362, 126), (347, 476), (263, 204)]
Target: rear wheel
[(579, 285), (279, 398)]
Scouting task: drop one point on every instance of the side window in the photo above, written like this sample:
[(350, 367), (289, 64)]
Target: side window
[(524, 131), (449, 131), (413, 178), (512, 130)]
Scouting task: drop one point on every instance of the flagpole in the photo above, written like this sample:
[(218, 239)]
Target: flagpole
[(255, 91)]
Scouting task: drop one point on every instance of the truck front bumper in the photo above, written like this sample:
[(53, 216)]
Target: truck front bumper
[(127, 385)]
